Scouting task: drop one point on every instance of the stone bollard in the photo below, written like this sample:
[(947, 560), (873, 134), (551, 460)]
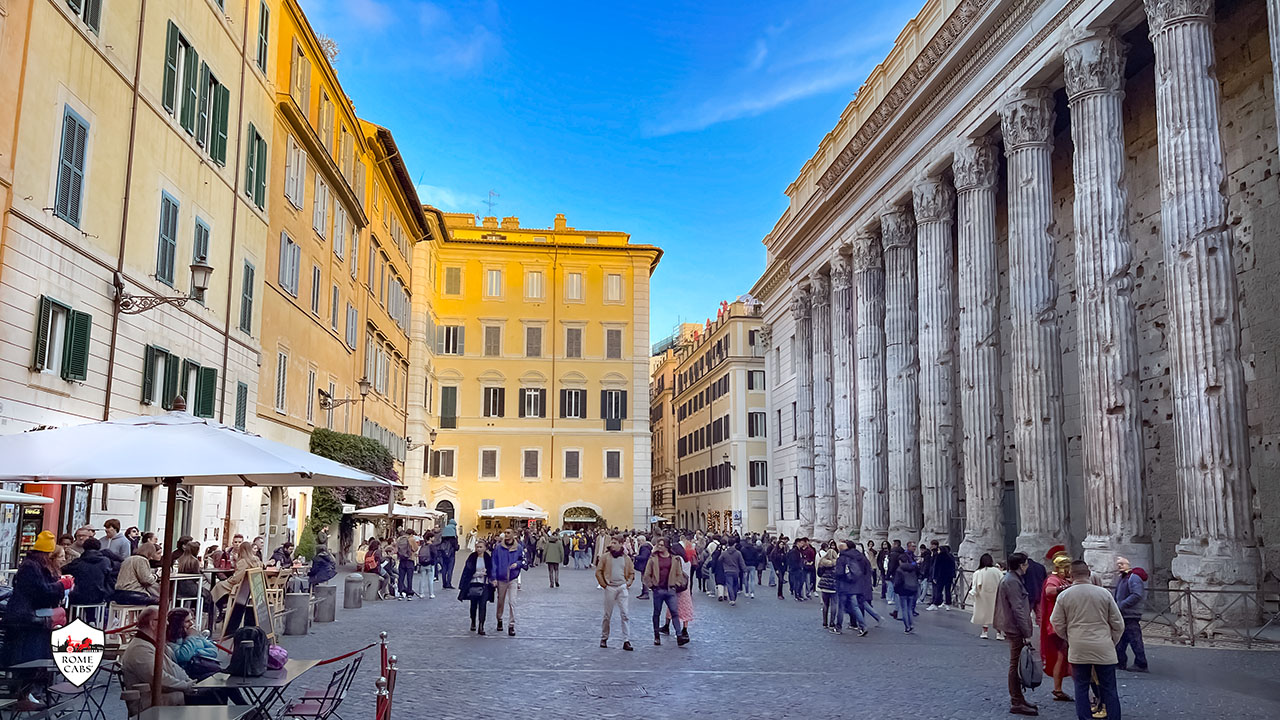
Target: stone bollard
[(372, 583), (326, 602), (353, 591), (297, 618)]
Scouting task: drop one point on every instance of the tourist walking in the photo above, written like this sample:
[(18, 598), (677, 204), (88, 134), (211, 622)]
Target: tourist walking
[(827, 585), (665, 575), (982, 591), (734, 568), (778, 565), (552, 549), (853, 582), (641, 559), (448, 550), (508, 558), (476, 585), (882, 566), (615, 573), (1131, 596), (1013, 618), (795, 569), (1087, 618), (428, 553), (944, 576), (406, 555), (810, 554), (906, 586)]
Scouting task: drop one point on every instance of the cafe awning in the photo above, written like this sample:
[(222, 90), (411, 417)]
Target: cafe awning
[(524, 511), (21, 498)]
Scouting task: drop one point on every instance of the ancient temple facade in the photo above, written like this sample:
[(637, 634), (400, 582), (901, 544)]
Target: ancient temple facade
[(1024, 292)]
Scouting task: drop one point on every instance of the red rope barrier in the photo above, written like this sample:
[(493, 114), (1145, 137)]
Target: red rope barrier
[(120, 630), (344, 657)]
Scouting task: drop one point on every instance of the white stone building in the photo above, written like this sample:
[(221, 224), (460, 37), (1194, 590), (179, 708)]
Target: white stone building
[(1023, 293)]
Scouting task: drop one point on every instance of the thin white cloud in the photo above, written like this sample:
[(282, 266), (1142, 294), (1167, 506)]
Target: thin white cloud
[(448, 199)]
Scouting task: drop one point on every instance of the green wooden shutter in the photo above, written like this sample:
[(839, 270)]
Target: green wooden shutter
[(202, 109), (250, 164), (564, 397), (70, 185), (171, 369), (264, 16), (218, 139), (448, 407), (42, 333), (93, 14), (75, 365), (190, 89), (148, 373), (542, 402), (246, 300), (206, 387), (170, 68), (260, 190), (167, 249), (242, 405), (76, 5)]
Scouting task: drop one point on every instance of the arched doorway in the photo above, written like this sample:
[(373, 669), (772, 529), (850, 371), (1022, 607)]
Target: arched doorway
[(445, 507)]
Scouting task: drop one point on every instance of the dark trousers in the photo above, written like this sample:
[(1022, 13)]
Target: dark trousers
[(478, 610), (732, 582), (798, 579), (553, 573), (1106, 686), (864, 604), (1015, 682), (781, 572), (664, 597), (446, 570), (406, 576), (1132, 637), (941, 589), (847, 603)]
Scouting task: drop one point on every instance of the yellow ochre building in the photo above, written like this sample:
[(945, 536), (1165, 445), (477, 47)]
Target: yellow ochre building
[(537, 382)]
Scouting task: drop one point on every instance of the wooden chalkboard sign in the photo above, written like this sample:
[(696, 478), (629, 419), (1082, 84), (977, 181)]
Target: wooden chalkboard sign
[(250, 606)]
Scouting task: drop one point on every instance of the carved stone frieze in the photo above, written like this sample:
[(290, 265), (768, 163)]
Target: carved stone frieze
[(1027, 118), (766, 337), (1094, 62)]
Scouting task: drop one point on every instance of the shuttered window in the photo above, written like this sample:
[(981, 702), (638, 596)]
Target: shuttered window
[(494, 401), (533, 341), (573, 342), (613, 344), (69, 191), (613, 408), (320, 207), (335, 309), (167, 249), (492, 340), (62, 340), (452, 281), (282, 382), (533, 402), (206, 391), (612, 464), (290, 260), (264, 25), (613, 288), (300, 80), (160, 377), (353, 326), (242, 405), (190, 86), (311, 395), (90, 11), (255, 168), (756, 424), (448, 407), (200, 253), (172, 57), (295, 173), (488, 463), (452, 340), (572, 464), (573, 403), (531, 464), (441, 463), (246, 299), (315, 290), (218, 133), (573, 286)]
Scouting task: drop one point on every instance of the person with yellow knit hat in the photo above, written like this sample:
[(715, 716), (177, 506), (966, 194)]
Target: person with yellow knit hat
[(1053, 647), (37, 586)]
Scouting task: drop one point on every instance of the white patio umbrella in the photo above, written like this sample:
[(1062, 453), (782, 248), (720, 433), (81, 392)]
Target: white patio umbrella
[(21, 498), (524, 511), (398, 510), (171, 450)]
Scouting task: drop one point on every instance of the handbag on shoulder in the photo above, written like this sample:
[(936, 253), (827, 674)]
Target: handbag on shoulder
[(1029, 670)]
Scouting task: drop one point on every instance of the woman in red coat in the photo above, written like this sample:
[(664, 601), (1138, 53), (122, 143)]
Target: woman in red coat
[(1052, 647)]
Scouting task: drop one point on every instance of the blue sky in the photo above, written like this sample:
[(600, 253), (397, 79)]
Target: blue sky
[(681, 124)]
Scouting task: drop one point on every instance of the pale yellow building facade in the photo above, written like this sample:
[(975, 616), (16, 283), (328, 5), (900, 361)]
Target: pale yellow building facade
[(663, 362)]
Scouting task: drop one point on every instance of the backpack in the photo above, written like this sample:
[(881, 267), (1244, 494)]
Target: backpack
[(249, 652), (370, 562)]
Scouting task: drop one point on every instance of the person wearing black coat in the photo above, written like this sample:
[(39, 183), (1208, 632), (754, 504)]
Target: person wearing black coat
[(478, 585), (891, 568), (94, 578), (906, 586), (944, 574), (795, 569), (27, 631), (778, 568), (1033, 579), (642, 560)]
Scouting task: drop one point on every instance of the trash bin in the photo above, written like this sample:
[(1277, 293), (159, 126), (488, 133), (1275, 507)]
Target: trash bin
[(353, 591), (372, 584), (326, 602), (297, 613)]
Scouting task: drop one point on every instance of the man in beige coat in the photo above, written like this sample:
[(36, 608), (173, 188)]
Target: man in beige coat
[(1087, 617), (615, 574)]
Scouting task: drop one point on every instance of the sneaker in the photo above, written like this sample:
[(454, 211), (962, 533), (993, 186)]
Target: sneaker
[(908, 630), (657, 639), (604, 644), (627, 646), (983, 635), (999, 635), (862, 632), (511, 630), (751, 595), (890, 602), (733, 602), (432, 596), (499, 626), (473, 626), (932, 607), (837, 631), (946, 607)]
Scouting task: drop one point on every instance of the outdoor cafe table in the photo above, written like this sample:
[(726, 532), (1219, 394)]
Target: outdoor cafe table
[(265, 691), (196, 712)]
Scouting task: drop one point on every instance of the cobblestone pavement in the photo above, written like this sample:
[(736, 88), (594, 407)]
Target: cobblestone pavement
[(764, 658)]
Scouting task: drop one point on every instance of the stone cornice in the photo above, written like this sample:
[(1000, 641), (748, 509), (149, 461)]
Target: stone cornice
[(1094, 63), (1163, 13), (1026, 119), (934, 200), (974, 165), (923, 68), (772, 279), (897, 228)]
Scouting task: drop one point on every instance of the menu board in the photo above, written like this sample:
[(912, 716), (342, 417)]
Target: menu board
[(250, 606)]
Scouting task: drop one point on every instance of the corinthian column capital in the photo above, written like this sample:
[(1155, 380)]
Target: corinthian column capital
[(766, 337), (800, 302), (974, 165), (1027, 119), (840, 272), (819, 291), (897, 227), (934, 200), (1094, 62), (1163, 13), (866, 252)]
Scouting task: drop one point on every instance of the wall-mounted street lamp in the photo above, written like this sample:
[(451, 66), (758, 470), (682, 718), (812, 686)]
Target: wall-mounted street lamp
[(328, 402), (431, 440), (726, 460), (132, 305)]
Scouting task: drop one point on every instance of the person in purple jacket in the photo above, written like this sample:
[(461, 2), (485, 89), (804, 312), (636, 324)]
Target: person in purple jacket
[(508, 559)]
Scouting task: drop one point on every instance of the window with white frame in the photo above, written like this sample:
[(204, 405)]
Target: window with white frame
[(488, 463), (282, 382), (493, 283), (613, 287), (353, 326), (315, 289), (290, 264), (452, 281), (756, 422), (533, 282), (441, 463), (311, 396), (531, 465), (339, 231), (300, 79), (572, 464), (494, 402), (335, 308), (493, 341), (320, 207), (451, 340), (573, 342), (533, 402), (533, 341), (755, 380), (759, 473), (573, 286), (295, 173), (573, 403), (613, 343), (613, 464)]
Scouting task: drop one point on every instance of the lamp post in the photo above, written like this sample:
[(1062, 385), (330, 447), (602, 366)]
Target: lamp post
[(328, 402), (410, 446), (135, 304)]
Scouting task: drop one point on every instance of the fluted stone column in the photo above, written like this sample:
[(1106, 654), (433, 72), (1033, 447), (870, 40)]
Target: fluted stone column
[(800, 312), (1039, 446), (824, 487), (898, 234), (1218, 546), (772, 372), (1273, 31), (1110, 422), (934, 204), (867, 265), (981, 405), (842, 335)]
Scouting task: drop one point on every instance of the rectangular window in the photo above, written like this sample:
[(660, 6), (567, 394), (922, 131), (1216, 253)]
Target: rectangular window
[(493, 283), (573, 403), (90, 11), (328, 414), (452, 281), (755, 380), (573, 286), (300, 79), (355, 247), (339, 231), (353, 325), (62, 340), (441, 463), (166, 252), (320, 207), (779, 428), (451, 340), (246, 299), (448, 406), (488, 463), (335, 308), (613, 287), (612, 464), (326, 121), (315, 290), (200, 253), (573, 342), (756, 425), (311, 397), (494, 401), (290, 260), (613, 344), (533, 402), (242, 405), (295, 173), (759, 473), (255, 168), (159, 377), (572, 464), (793, 421), (531, 462), (533, 285), (613, 408), (264, 25), (71, 161), (533, 341), (282, 382), (493, 340)]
